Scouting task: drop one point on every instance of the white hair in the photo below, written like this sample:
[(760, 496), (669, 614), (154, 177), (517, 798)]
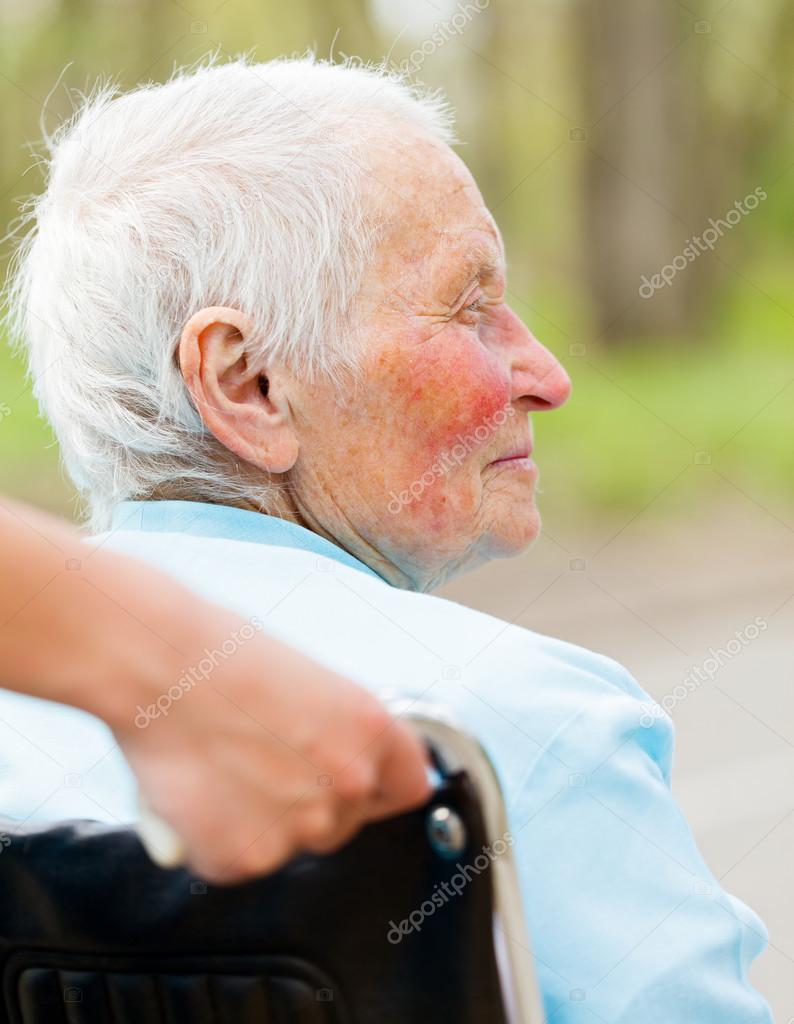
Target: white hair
[(235, 184)]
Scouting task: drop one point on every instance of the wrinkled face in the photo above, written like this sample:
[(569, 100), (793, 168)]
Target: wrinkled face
[(426, 468)]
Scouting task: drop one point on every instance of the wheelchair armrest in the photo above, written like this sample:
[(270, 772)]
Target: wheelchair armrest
[(453, 750), (456, 750)]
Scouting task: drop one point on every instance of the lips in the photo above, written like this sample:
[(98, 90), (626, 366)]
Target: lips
[(523, 452), (513, 458)]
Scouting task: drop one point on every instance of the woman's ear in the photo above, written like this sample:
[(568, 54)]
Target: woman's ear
[(245, 408)]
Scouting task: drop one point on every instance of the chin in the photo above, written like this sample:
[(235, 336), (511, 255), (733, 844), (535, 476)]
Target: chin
[(516, 535)]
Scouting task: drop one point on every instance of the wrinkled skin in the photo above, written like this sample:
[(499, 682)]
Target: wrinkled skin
[(403, 470)]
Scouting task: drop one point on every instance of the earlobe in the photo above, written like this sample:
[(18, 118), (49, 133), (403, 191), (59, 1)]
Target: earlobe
[(237, 402)]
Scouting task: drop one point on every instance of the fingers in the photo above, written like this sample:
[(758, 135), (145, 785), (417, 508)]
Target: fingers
[(261, 857), (250, 777), (404, 781), (326, 830), (230, 854)]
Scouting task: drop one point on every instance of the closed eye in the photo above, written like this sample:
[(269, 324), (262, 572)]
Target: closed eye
[(470, 314)]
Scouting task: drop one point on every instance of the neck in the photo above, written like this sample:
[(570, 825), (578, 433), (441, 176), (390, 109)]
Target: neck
[(330, 521), (344, 536)]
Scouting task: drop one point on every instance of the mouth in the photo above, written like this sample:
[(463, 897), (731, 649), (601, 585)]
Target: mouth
[(521, 457)]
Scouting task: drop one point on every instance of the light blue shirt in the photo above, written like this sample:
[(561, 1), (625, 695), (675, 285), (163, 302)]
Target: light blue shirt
[(628, 924)]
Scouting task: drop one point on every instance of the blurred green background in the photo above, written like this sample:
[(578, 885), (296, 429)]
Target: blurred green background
[(604, 136)]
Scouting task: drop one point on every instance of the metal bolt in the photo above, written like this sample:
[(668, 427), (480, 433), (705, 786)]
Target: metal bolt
[(446, 831)]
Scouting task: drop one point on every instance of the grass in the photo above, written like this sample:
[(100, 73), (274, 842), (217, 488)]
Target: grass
[(670, 425), (711, 414)]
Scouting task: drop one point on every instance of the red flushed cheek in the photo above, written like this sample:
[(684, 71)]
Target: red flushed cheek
[(460, 399), (449, 403)]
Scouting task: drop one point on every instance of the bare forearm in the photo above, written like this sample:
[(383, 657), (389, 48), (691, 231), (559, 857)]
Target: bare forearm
[(74, 621), (89, 627)]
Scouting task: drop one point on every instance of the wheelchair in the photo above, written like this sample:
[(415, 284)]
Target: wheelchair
[(417, 920)]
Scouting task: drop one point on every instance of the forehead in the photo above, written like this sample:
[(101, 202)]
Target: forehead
[(430, 208)]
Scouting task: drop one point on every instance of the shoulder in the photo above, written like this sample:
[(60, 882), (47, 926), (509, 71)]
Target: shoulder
[(506, 682)]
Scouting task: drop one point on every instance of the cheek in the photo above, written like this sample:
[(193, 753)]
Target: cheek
[(446, 405), (459, 393)]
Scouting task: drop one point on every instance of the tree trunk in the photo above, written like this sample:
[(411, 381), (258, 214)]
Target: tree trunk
[(639, 133)]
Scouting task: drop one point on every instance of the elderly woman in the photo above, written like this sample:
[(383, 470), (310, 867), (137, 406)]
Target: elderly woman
[(266, 313)]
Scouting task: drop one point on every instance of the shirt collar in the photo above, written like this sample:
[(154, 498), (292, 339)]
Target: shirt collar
[(222, 521)]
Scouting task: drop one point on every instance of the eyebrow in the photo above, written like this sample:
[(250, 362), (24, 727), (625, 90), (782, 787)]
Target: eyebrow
[(479, 260)]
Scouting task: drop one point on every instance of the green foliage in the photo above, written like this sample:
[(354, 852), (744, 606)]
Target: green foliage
[(679, 422), (28, 453)]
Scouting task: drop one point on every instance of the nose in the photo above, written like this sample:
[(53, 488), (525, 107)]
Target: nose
[(538, 380)]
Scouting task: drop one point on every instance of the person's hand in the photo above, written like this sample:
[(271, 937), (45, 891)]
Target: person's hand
[(267, 754), (250, 753)]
